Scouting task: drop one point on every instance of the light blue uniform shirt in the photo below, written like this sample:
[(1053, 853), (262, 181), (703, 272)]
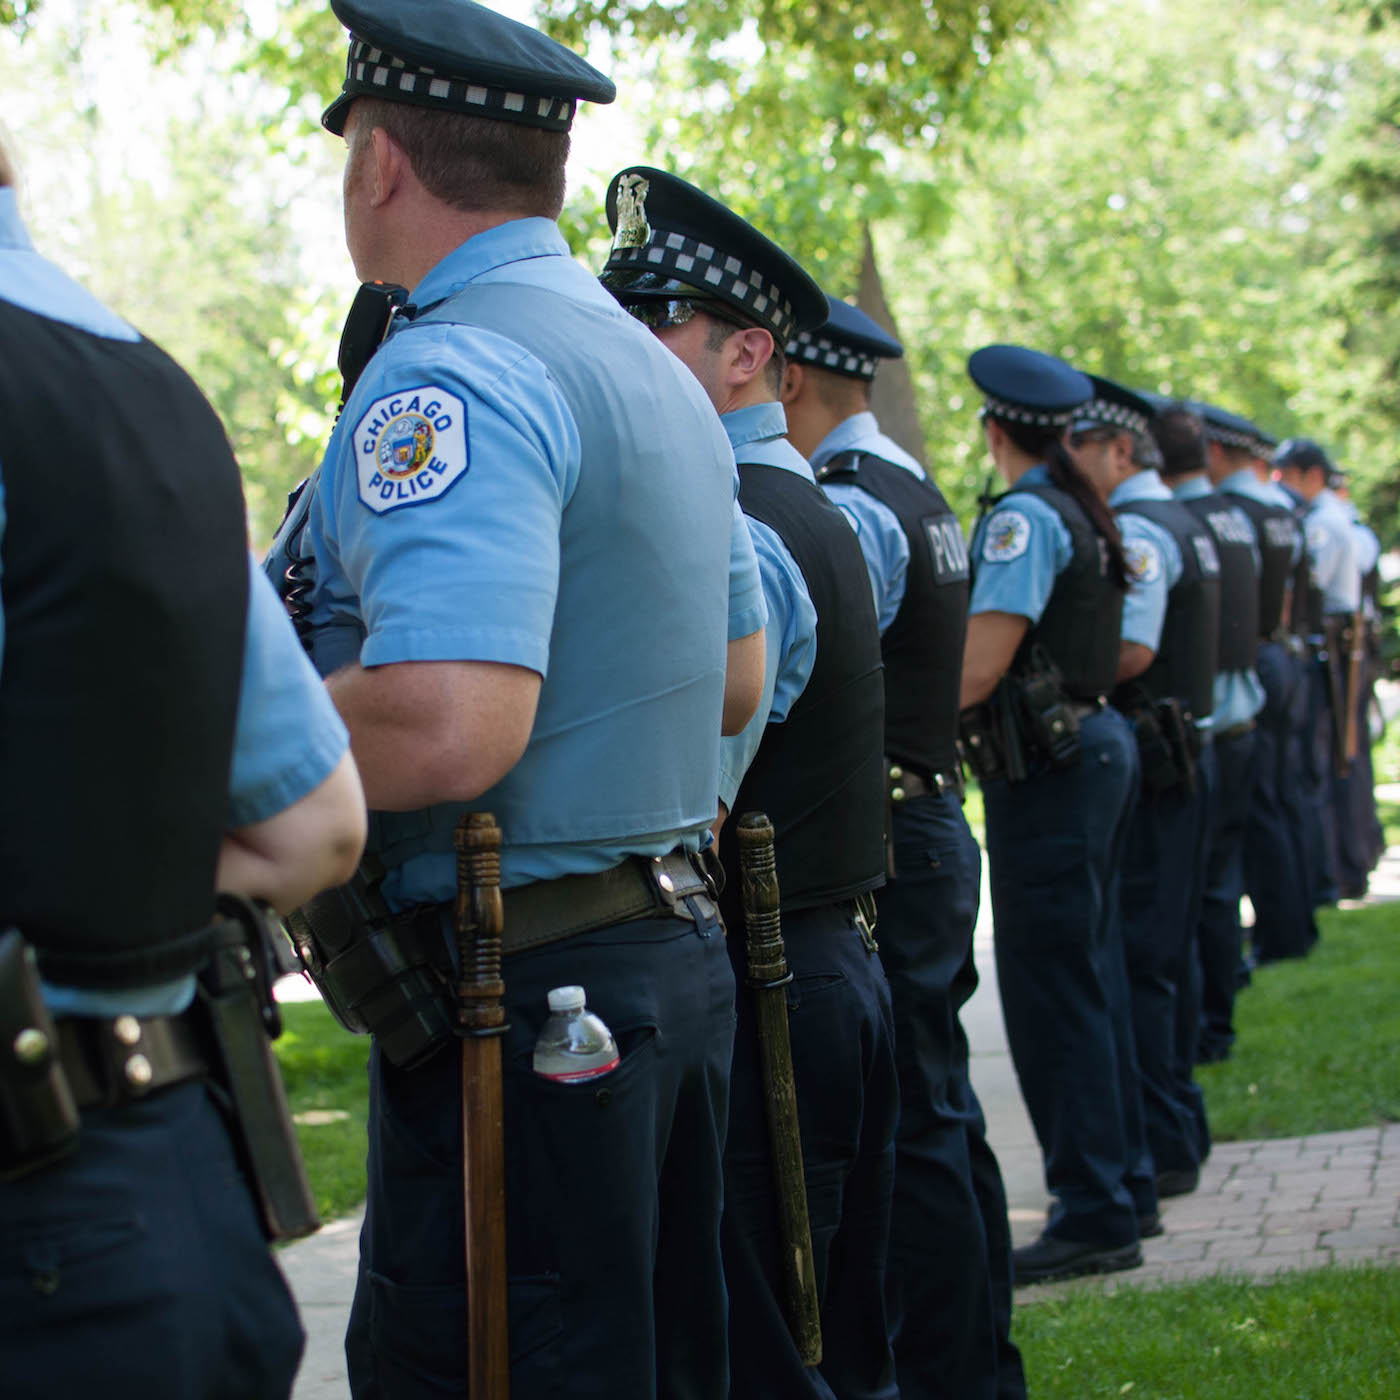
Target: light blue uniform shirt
[(1332, 553), (882, 541), (1154, 560), (288, 736), (1239, 695), (439, 524), (758, 435), (1018, 551)]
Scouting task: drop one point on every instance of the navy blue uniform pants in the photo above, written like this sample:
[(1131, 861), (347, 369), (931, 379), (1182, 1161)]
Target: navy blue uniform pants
[(136, 1269), (1274, 852), (1360, 840), (1218, 932), (613, 1187), (848, 1103), (950, 1252), (1316, 741), (1054, 842), (1160, 874)]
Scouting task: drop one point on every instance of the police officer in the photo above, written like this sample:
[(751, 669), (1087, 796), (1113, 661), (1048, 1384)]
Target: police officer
[(161, 737), (1238, 699), (1166, 670), (1274, 857), (498, 587), (1304, 469), (1059, 775), (811, 761), (950, 1245)]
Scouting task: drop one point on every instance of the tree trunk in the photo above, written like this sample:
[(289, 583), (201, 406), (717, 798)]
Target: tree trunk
[(892, 397)]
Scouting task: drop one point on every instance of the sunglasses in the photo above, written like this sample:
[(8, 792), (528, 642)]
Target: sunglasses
[(661, 313)]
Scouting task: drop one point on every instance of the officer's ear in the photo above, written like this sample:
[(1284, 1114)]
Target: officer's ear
[(794, 381), (748, 351)]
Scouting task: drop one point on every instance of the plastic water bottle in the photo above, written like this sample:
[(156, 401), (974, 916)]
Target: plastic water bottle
[(574, 1045)]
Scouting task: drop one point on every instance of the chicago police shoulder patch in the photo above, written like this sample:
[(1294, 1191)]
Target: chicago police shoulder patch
[(409, 447), (1007, 536), (1144, 561)]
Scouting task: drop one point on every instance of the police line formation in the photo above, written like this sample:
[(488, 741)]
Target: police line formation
[(537, 587)]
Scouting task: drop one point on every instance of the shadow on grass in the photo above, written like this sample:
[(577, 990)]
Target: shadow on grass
[(1317, 1037)]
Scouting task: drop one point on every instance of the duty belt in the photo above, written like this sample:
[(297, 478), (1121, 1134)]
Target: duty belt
[(1234, 731), (908, 782), (550, 910), (121, 1059)]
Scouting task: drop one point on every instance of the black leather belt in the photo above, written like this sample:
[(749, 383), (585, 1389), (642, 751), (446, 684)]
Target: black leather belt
[(1234, 731), (120, 1059), (906, 783), (549, 910)]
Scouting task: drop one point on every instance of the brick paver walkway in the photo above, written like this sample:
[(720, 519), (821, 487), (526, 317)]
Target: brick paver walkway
[(1264, 1208)]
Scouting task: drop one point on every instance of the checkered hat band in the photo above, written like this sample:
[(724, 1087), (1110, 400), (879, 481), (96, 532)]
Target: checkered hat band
[(372, 72), (1115, 414), (714, 272), (999, 408), (1231, 437), (831, 355)]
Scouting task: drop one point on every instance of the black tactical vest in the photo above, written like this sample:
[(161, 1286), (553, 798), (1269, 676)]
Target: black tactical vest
[(820, 774), (1184, 666), (1080, 627), (1278, 535), (923, 645), (125, 583), (1239, 579)]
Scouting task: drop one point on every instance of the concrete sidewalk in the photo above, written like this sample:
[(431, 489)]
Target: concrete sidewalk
[(1261, 1207)]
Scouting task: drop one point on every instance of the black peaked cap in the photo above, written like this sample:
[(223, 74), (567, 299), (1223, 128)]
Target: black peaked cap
[(1028, 386), (1303, 453), (1229, 429), (1114, 405), (849, 342), (457, 56), (671, 239)]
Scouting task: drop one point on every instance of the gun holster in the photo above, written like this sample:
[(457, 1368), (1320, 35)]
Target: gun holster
[(382, 974), (1051, 721), (235, 993), (38, 1116)]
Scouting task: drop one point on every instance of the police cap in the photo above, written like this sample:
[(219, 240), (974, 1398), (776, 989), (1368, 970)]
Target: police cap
[(456, 56), (1303, 453), (672, 241), (849, 343), (1114, 406), (1027, 386), (1229, 429)]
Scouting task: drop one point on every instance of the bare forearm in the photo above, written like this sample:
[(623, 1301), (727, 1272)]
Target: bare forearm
[(1133, 660), (427, 732)]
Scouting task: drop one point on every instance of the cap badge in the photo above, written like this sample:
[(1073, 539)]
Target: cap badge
[(633, 231)]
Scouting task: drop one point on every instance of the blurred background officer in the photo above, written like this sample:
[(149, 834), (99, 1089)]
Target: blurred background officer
[(1273, 852), (1059, 775), (811, 761), (1166, 672), (1305, 469), (950, 1245), (509, 617), (1360, 837), (161, 737), (1180, 436)]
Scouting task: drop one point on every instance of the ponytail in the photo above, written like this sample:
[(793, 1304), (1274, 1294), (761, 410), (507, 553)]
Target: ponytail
[(1070, 479), (1047, 443)]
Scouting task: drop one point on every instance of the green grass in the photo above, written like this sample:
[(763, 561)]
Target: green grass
[(324, 1070), (1389, 813), (1308, 1336), (1316, 1048)]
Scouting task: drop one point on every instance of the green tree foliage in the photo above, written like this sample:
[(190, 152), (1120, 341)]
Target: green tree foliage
[(803, 116), (1145, 200)]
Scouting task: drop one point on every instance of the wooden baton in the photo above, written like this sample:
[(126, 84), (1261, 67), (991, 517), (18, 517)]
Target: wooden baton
[(769, 976), (481, 1018)]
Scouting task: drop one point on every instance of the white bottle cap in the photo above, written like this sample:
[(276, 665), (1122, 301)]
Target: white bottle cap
[(567, 999)]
